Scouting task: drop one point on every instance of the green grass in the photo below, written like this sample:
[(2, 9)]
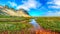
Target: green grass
[(52, 23), (11, 26), (13, 23)]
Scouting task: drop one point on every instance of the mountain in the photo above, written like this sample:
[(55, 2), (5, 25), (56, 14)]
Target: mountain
[(10, 11), (22, 12)]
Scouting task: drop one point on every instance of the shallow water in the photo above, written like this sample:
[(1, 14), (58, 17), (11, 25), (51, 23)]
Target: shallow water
[(35, 24)]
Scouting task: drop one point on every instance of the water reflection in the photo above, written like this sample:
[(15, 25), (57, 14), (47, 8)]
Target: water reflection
[(35, 24)]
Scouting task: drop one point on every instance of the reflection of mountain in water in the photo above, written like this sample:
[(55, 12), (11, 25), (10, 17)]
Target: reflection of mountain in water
[(12, 12)]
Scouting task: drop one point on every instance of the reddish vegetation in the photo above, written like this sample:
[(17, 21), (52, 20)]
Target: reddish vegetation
[(42, 31), (45, 32), (30, 32)]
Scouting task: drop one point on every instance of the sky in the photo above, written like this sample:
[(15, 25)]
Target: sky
[(35, 7)]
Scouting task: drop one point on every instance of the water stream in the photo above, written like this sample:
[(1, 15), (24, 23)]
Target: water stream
[(35, 24)]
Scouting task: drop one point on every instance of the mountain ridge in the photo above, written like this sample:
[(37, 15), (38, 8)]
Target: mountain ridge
[(12, 12)]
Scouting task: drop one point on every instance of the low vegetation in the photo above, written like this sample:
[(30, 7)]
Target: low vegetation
[(49, 23), (11, 23), (21, 23)]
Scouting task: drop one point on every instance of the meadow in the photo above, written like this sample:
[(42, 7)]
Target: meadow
[(21, 25), (49, 23), (9, 24)]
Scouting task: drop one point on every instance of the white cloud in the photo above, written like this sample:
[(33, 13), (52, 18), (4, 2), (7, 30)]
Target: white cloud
[(12, 3), (56, 4), (50, 13), (29, 4)]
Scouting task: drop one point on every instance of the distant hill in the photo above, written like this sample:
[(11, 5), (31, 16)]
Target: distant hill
[(4, 10)]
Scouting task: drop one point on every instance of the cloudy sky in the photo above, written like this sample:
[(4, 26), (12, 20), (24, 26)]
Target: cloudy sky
[(35, 7)]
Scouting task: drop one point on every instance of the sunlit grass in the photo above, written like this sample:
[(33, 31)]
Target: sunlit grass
[(13, 23), (52, 23), (10, 26)]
